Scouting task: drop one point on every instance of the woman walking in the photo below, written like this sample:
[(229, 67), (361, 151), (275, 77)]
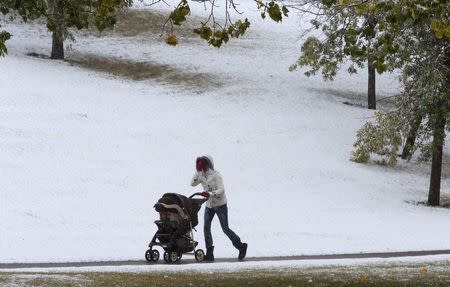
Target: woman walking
[(212, 184)]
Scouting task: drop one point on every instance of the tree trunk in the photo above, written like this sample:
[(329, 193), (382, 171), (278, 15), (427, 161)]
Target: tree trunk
[(371, 95), (439, 136), (436, 163), (57, 46), (58, 36), (411, 138)]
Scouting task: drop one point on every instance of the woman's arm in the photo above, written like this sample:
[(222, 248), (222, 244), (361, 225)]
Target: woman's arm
[(219, 183), (195, 181)]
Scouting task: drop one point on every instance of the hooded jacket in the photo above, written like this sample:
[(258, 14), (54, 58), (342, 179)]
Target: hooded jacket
[(212, 182)]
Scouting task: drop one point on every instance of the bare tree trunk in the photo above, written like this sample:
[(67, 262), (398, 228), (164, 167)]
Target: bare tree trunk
[(436, 163), (371, 94), (57, 36), (57, 46), (438, 141), (411, 138)]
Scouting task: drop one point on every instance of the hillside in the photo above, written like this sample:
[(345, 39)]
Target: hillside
[(89, 145)]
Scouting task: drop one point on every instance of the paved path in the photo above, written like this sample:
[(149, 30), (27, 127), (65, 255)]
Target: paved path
[(190, 260)]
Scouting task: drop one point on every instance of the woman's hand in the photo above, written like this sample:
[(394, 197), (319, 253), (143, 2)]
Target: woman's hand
[(206, 194)]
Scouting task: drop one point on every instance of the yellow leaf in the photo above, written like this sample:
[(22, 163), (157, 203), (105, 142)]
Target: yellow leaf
[(439, 34), (447, 32), (171, 40)]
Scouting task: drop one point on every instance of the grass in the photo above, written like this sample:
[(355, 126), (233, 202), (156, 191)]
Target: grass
[(146, 70), (437, 274), (355, 99), (144, 25), (148, 24), (444, 202), (132, 22)]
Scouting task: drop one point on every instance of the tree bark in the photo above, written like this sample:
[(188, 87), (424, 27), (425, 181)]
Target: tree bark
[(57, 36), (57, 46), (436, 163), (371, 94), (411, 138), (438, 139)]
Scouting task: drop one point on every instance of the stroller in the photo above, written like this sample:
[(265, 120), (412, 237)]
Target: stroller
[(178, 217)]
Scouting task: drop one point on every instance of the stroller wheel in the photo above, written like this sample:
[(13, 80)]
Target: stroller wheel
[(152, 255), (199, 255), (166, 257), (174, 256), (155, 255)]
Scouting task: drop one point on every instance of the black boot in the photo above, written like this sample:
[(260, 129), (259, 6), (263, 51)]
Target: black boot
[(209, 254), (242, 251)]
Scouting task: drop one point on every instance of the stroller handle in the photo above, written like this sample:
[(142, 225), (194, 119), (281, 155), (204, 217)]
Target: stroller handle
[(197, 193)]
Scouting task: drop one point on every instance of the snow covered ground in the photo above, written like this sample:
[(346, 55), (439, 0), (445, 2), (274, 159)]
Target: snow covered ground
[(85, 155), (438, 262)]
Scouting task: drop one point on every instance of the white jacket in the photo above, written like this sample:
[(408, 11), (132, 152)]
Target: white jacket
[(211, 182)]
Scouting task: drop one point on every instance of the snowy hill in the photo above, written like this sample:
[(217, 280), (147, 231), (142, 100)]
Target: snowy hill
[(85, 154)]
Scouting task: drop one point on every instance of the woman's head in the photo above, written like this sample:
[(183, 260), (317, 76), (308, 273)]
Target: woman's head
[(204, 163), (200, 164)]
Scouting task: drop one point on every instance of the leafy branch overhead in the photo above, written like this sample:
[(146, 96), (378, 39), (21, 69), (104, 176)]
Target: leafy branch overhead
[(215, 31), (62, 15), (273, 9)]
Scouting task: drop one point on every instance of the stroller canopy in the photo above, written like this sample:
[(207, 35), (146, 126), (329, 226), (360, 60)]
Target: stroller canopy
[(187, 208)]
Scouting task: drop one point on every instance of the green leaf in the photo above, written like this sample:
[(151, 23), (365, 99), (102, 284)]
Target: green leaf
[(204, 32), (293, 67), (216, 42), (274, 12), (352, 70), (4, 10), (285, 11), (328, 3), (178, 15)]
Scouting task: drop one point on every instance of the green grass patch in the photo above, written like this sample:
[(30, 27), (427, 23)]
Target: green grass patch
[(435, 274)]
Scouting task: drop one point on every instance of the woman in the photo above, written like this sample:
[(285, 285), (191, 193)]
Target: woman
[(212, 184)]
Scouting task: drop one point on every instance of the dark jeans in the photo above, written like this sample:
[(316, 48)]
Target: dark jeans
[(222, 213)]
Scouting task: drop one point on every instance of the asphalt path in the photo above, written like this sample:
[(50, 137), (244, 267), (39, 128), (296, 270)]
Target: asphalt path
[(190, 260)]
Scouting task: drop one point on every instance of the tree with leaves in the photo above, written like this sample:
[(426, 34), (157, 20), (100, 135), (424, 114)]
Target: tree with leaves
[(346, 34), (414, 36), (63, 15), (25, 9)]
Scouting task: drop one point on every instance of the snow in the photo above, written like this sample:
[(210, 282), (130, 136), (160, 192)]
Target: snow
[(85, 154), (285, 266)]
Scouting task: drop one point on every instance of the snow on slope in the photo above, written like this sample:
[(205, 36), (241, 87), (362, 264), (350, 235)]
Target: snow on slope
[(85, 155)]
